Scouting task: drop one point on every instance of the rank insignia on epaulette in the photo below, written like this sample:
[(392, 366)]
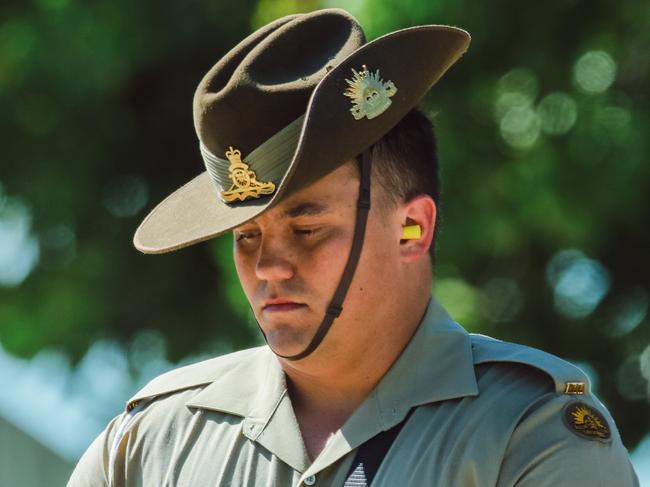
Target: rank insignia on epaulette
[(586, 422), (573, 388)]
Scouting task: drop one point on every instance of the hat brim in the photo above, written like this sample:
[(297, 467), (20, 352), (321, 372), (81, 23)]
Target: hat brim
[(420, 56)]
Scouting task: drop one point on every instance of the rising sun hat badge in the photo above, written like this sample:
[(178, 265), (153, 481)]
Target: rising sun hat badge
[(369, 93), (244, 181)]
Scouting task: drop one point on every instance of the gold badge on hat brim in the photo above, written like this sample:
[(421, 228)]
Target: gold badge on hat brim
[(369, 93), (244, 181), (586, 422)]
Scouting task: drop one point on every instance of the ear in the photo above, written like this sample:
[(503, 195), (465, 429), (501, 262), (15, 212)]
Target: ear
[(420, 210)]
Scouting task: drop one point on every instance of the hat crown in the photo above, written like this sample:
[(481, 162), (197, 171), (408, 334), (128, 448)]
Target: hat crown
[(265, 82)]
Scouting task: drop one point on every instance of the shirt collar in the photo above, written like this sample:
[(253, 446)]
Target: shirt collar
[(256, 390), (251, 388), (436, 365)]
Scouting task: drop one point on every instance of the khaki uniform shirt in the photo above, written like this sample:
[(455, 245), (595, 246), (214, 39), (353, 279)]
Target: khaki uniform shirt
[(488, 413)]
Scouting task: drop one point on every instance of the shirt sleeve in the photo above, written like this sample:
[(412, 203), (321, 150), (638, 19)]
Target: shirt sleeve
[(92, 470), (549, 448)]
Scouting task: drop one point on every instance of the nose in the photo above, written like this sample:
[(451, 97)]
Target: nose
[(274, 263)]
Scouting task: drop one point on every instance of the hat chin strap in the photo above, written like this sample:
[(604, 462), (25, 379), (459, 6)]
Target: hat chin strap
[(336, 305)]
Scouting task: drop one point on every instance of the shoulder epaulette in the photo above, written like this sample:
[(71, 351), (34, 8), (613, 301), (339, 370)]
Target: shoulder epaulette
[(568, 378), (187, 377)]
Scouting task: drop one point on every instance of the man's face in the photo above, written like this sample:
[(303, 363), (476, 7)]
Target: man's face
[(290, 260)]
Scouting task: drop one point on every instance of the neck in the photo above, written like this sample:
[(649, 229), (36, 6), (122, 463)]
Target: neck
[(334, 392), (328, 386), (323, 400)]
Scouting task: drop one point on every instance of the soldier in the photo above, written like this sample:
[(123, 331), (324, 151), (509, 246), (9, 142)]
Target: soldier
[(319, 163)]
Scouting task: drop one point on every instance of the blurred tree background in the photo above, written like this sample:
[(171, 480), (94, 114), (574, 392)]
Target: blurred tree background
[(543, 132)]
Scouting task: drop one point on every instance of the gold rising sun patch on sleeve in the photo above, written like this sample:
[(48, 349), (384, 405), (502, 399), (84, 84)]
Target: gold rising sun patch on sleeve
[(586, 422)]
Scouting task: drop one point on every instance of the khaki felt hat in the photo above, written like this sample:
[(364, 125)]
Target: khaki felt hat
[(288, 105)]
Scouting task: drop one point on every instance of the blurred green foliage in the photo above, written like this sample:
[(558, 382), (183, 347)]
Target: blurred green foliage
[(542, 129)]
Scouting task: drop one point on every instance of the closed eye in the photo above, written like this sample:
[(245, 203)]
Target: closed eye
[(305, 231), (244, 236)]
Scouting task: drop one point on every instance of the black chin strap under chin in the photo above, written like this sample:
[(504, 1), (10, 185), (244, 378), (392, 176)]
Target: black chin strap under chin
[(336, 305)]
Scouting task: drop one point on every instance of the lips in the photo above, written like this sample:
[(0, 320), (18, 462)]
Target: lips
[(279, 305)]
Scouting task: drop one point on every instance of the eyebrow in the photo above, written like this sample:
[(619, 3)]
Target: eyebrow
[(305, 209)]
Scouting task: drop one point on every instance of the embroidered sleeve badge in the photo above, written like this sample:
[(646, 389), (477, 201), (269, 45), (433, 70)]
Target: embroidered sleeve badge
[(244, 181), (586, 422), (369, 93)]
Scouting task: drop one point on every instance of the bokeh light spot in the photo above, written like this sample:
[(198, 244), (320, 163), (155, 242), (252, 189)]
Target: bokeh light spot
[(519, 80), (594, 72), (19, 250), (501, 299), (509, 101), (557, 112), (629, 312), (459, 297), (103, 374), (518, 122), (125, 196), (520, 127), (644, 366), (579, 283)]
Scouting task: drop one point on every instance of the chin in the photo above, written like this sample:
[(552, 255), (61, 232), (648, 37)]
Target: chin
[(287, 339)]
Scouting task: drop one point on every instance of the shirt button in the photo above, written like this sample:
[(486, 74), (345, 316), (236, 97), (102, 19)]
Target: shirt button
[(311, 480)]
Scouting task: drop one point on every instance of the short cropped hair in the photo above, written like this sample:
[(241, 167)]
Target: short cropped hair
[(405, 162)]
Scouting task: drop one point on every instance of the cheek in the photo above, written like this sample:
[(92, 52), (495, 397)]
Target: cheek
[(379, 263), (333, 254), (319, 266)]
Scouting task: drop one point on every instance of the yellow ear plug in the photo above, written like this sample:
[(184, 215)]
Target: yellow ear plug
[(411, 232)]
